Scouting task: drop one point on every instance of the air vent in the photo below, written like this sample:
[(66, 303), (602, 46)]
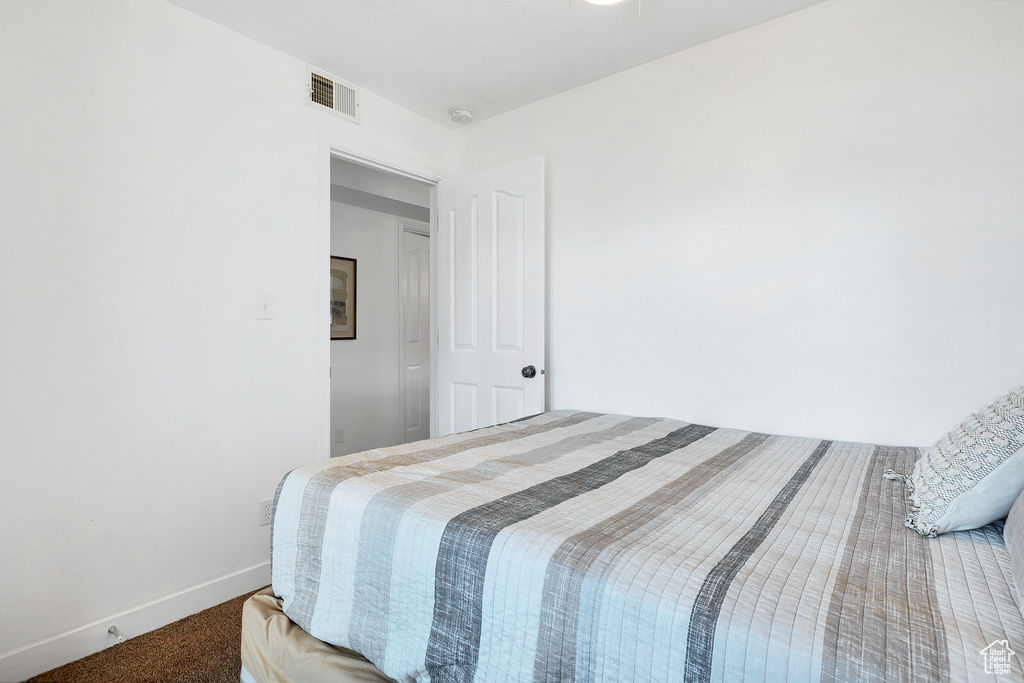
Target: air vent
[(339, 97)]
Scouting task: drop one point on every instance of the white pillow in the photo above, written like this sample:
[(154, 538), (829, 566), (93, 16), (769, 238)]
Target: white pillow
[(1013, 536), (973, 475)]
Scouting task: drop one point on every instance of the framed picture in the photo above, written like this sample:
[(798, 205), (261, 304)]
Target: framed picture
[(343, 298)]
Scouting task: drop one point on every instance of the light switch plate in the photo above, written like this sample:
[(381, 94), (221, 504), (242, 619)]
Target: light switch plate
[(264, 307)]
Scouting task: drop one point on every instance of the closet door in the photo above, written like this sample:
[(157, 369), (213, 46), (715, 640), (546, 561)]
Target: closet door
[(414, 316)]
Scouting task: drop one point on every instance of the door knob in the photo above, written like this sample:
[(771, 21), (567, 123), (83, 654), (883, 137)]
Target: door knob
[(529, 372)]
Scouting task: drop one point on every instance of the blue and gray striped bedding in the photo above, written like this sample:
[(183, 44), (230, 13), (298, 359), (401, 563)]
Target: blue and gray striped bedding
[(577, 546)]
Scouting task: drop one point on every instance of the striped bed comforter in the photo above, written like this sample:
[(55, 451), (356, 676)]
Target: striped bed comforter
[(576, 546)]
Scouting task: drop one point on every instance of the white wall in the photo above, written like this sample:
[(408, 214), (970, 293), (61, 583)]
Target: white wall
[(157, 173), (365, 371), (813, 227)]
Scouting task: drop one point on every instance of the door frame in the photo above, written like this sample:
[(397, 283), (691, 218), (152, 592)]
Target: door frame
[(399, 163)]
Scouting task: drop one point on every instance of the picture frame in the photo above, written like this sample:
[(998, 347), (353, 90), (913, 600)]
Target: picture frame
[(343, 298)]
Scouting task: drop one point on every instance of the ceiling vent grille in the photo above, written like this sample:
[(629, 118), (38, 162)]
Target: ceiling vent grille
[(339, 97)]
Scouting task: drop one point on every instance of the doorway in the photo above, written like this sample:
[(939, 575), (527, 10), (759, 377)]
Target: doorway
[(380, 380)]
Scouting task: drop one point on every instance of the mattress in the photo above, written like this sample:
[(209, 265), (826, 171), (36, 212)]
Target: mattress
[(575, 546)]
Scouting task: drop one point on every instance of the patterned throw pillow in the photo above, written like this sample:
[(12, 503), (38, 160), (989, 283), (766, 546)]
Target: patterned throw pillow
[(973, 475)]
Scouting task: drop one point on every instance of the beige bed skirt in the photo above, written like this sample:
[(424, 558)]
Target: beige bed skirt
[(275, 650)]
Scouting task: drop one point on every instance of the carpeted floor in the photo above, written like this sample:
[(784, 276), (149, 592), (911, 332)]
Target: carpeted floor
[(202, 648)]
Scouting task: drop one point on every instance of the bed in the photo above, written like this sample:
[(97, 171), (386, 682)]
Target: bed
[(577, 546)]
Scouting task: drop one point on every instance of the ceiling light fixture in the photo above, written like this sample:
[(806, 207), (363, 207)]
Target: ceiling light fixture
[(639, 5)]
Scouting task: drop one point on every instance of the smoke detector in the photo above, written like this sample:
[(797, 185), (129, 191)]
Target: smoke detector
[(460, 115)]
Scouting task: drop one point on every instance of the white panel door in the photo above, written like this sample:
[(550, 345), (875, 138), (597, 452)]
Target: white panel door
[(490, 313), (414, 299)]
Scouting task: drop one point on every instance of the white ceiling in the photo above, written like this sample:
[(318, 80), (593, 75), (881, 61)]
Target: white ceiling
[(489, 55)]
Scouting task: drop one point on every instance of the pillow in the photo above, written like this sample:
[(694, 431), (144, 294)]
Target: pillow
[(1013, 536), (973, 475)]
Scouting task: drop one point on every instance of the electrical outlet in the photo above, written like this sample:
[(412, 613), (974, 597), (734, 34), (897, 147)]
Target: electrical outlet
[(266, 511), (339, 435)]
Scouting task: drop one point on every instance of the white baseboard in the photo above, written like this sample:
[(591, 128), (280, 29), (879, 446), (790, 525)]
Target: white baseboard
[(48, 653)]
